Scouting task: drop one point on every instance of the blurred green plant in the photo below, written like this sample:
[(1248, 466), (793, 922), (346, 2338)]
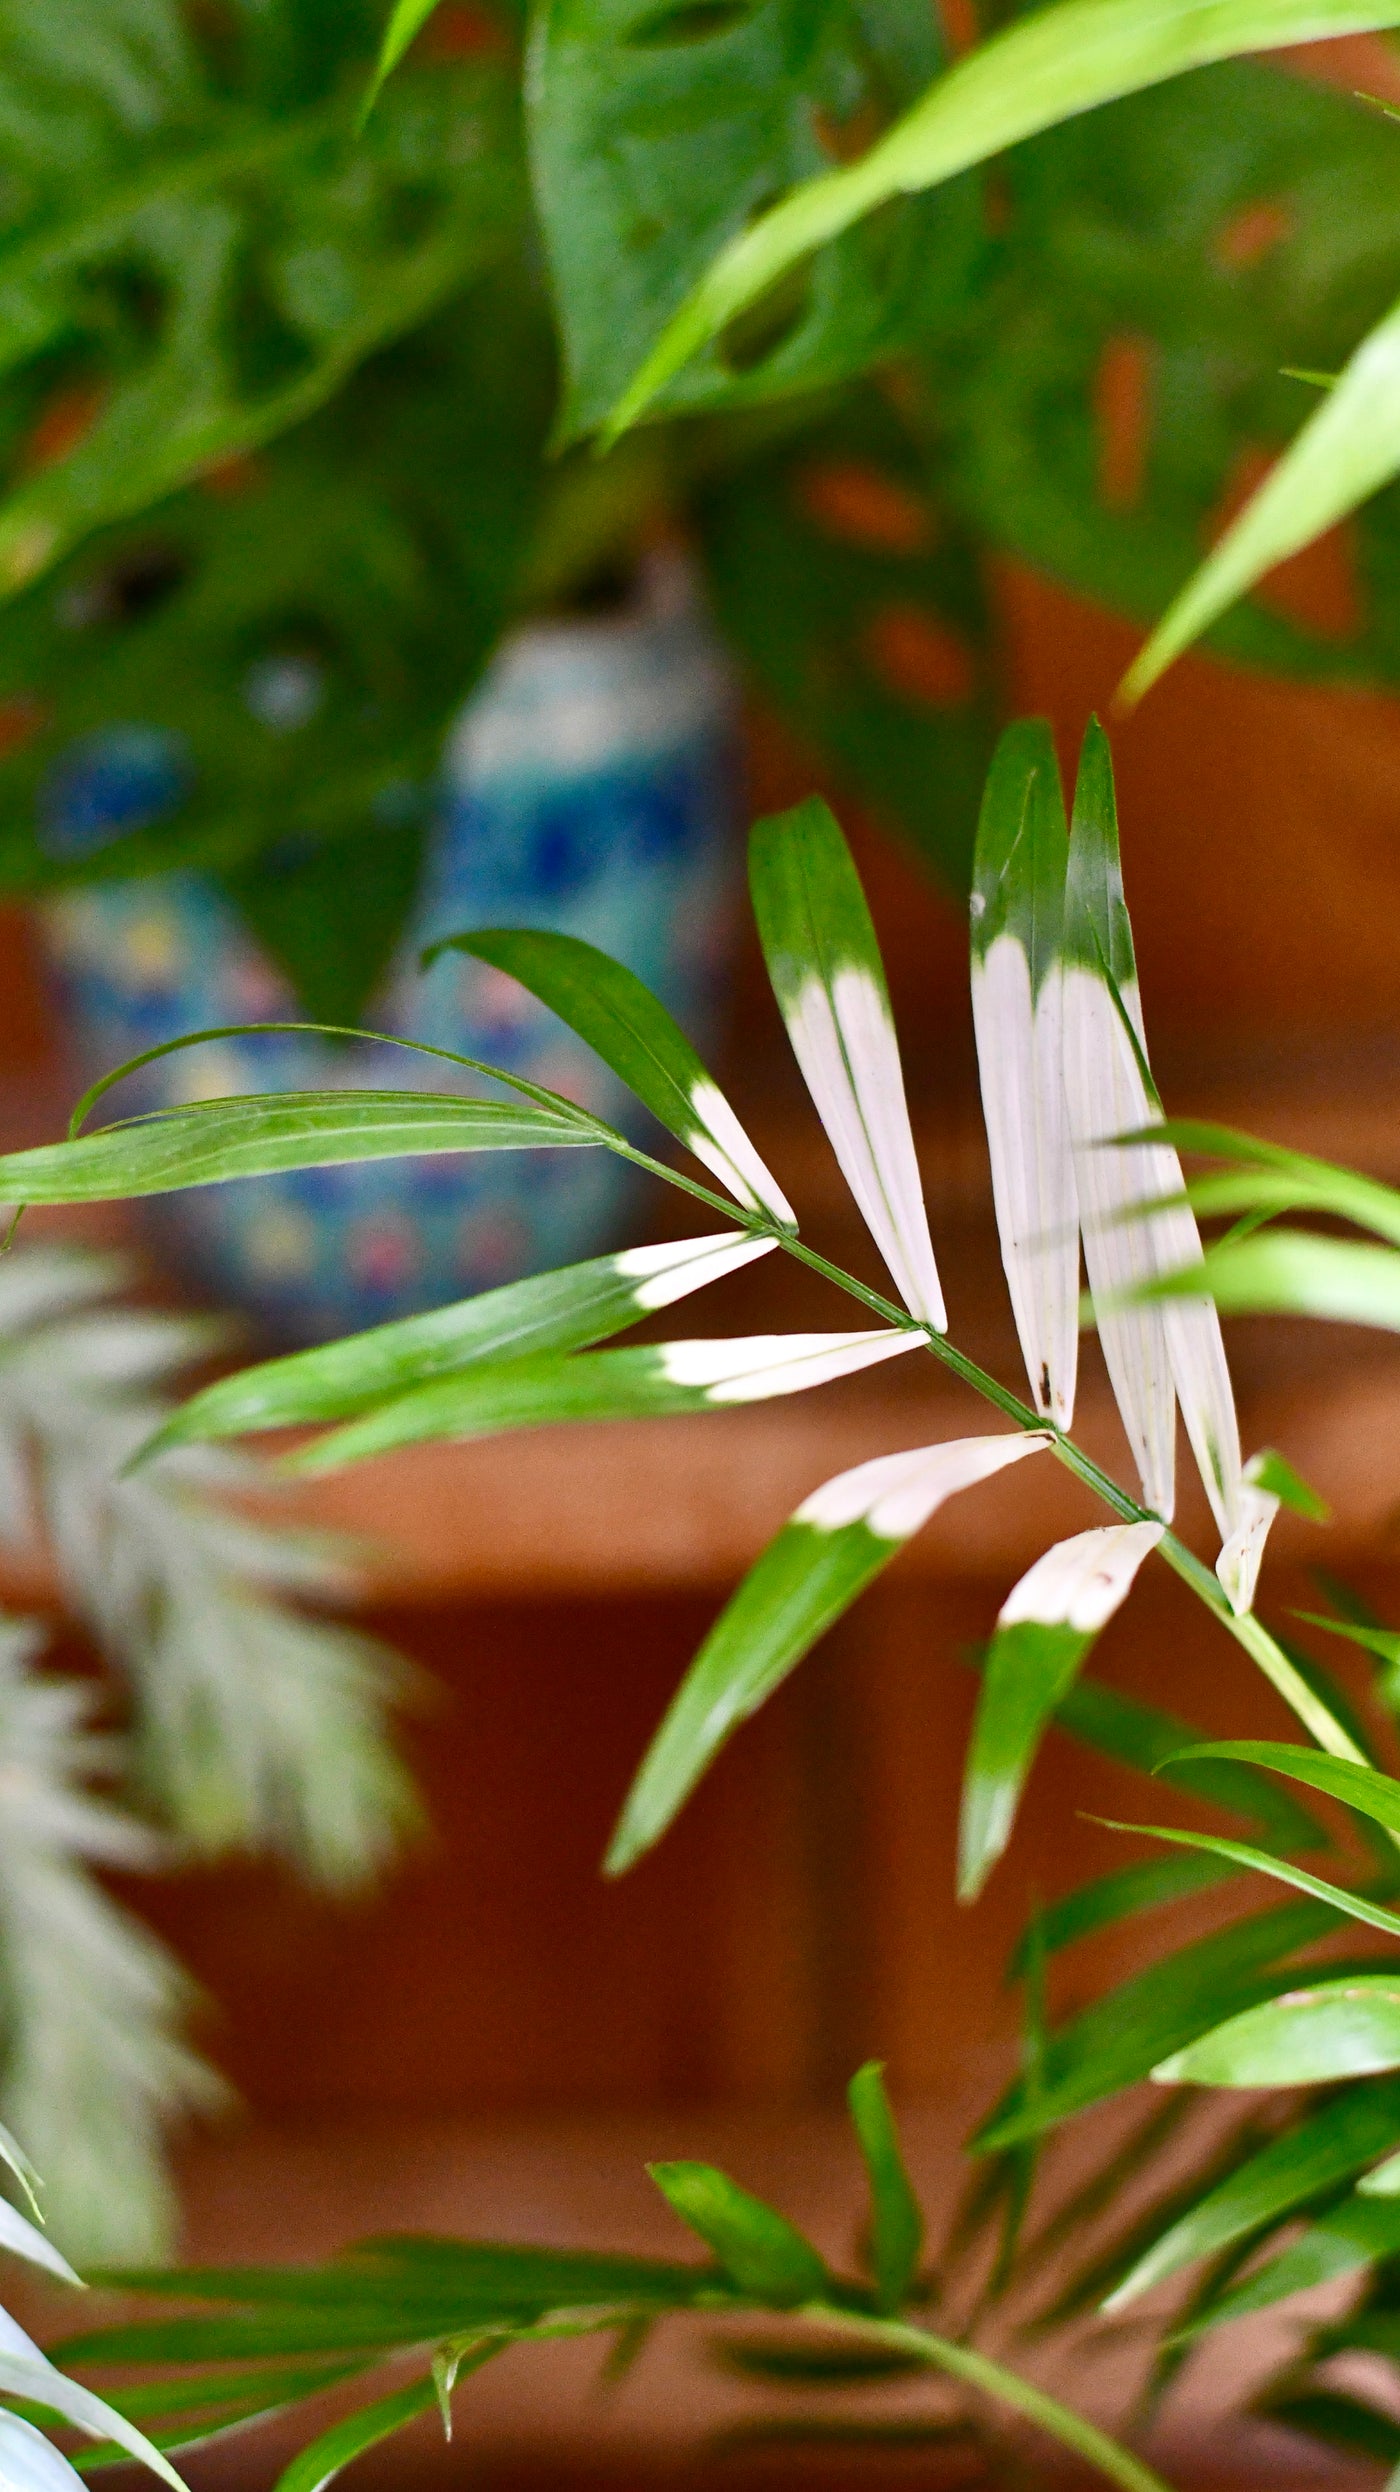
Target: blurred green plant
[(275, 301)]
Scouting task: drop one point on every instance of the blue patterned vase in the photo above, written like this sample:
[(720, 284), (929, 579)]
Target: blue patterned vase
[(589, 786)]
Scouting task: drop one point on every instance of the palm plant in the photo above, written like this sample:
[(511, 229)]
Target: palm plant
[(1079, 1146)]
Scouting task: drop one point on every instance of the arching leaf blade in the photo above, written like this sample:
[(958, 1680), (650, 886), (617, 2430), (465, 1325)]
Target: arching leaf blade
[(1349, 448), (896, 2218), (608, 1007), (551, 1311)]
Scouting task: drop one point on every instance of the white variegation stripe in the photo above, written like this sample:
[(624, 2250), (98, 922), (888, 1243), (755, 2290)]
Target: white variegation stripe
[(1107, 1097), (894, 1495), (665, 1273), (844, 1041), (1020, 1058), (24, 2240), (721, 1145), (29, 2462), (1081, 1582), (1243, 1552), (1199, 1365), (767, 1364)]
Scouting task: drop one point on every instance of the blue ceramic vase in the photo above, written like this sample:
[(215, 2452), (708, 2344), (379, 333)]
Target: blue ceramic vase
[(589, 787)]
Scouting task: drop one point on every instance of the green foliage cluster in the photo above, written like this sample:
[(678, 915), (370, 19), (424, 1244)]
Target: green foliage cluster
[(284, 375)]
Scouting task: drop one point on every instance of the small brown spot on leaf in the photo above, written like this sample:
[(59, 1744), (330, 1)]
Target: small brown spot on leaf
[(918, 657), (856, 502)]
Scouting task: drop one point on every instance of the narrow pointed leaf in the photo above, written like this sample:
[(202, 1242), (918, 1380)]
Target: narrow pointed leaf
[(322, 2460), (836, 1543), (1046, 1627), (664, 1377), (1311, 2036), (1145, 1886), (1267, 1176), (1248, 1856), (1018, 896), (553, 1311), (1151, 1362), (1120, 2039), (30, 2376), (824, 962), (1361, 1786), (29, 2462), (1151, 1741), (621, 1020), (12, 2154), (1060, 62), (1290, 1272), (1272, 1472), (407, 19), (1326, 2150), (1349, 448), (766, 2256), (896, 2218), (1350, 2236), (221, 1138)]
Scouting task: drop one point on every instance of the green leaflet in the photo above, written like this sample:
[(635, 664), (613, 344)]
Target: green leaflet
[(656, 132), (1344, 453), (896, 2218), (800, 1586), (323, 2458), (1152, 1742), (836, 1543), (1327, 2149), (1145, 1886), (1028, 1669), (1362, 1787), (1041, 70), (1121, 2038), (1289, 1272), (1247, 1856), (1022, 854), (552, 1311), (824, 962), (1312, 2036), (221, 1138), (618, 1017), (1047, 1624), (1347, 2237), (1264, 1176), (767, 2258), (220, 266), (606, 1384)]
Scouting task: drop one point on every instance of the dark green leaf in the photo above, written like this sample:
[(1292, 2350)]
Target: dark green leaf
[(1143, 1887), (657, 132), (1153, 1742), (1349, 2236), (1119, 2039), (1327, 2148)]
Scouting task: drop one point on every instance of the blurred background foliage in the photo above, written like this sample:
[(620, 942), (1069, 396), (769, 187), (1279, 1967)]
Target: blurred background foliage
[(284, 388)]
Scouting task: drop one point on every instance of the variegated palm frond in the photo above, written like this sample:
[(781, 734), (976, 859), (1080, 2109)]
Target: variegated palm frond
[(90, 2002), (255, 1724)]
